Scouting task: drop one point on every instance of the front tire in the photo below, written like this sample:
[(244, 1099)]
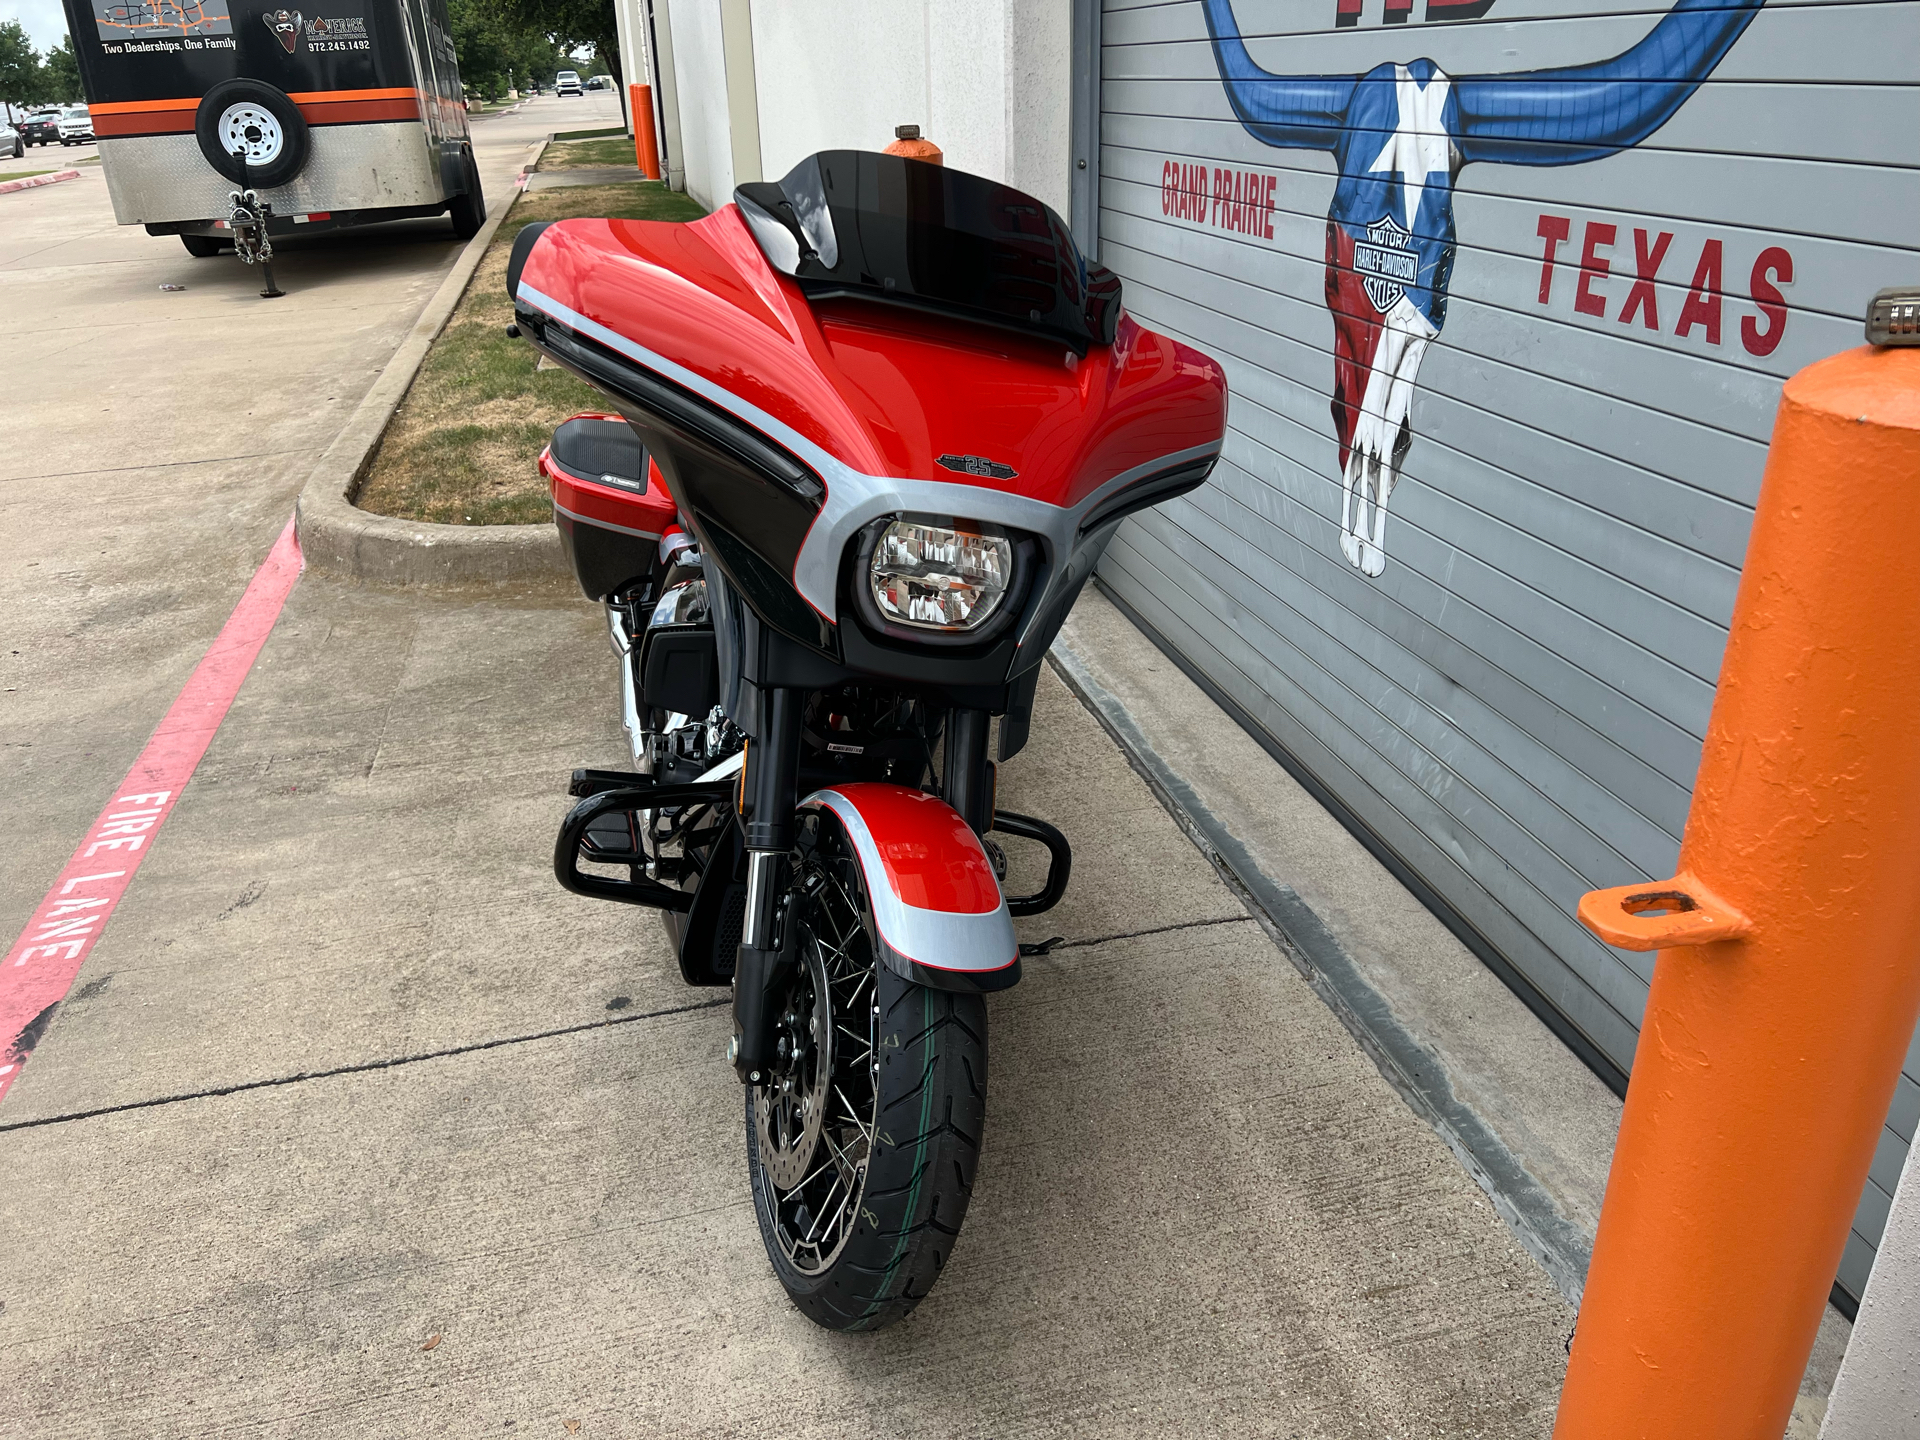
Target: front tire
[(861, 1172)]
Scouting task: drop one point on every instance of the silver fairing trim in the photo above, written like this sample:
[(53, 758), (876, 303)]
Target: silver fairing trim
[(855, 499), (937, 939)]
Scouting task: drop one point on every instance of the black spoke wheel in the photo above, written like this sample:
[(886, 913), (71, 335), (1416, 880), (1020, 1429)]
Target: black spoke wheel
[(862, 1144)]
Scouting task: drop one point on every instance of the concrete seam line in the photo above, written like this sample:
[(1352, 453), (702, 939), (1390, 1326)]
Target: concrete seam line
[(1562, 1248), (338, 538), (365, 1067)]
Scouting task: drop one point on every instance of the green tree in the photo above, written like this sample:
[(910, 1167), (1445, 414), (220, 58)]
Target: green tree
[(61, 73), (569, 23), (19, 65), (479, 45)]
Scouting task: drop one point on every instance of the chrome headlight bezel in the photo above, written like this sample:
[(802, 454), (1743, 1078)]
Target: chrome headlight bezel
[(1013, 602)]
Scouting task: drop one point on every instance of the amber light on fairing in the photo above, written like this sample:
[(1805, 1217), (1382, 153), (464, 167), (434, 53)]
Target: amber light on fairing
[(938, 577)]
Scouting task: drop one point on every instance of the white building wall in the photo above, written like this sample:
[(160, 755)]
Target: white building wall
[(1039, 99), (700, 80), (986, 80), (837, 76), (1877, 1394)]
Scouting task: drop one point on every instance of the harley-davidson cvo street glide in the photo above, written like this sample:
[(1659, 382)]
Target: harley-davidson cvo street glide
[(872, 427)]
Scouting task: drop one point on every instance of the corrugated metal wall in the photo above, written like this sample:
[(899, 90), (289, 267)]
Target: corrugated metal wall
[(1513, 704)]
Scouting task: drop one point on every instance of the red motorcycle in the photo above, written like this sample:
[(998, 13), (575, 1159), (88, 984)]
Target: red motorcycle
[(875, 425)]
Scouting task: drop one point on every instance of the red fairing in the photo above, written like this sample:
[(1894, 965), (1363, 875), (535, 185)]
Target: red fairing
[(884, 391)]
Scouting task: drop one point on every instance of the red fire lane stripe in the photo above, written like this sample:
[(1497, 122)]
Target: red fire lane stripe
[(38, 971)]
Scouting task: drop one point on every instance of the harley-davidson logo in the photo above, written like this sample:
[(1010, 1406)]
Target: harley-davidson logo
[(978, 465), (285, 25), (1387, 266)]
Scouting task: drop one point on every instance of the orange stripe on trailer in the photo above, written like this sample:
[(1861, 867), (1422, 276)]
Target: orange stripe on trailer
[(142, 107), (123, 119), (359, 112), (174, 122), (327, 97)]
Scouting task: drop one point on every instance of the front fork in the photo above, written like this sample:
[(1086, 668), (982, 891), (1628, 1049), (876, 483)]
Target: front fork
[(770, 793), (770, 796)]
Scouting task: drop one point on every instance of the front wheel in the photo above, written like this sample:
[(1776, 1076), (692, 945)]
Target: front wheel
[(862, 1145)]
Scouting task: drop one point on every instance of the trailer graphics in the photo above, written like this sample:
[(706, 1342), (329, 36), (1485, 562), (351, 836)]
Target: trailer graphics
[(161, 19)]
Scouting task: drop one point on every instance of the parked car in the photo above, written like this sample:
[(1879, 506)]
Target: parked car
[(41, 127), (567, 82), (76, 126), (11, 142)]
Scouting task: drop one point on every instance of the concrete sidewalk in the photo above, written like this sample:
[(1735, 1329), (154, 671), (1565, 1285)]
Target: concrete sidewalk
[(1200, 1211)]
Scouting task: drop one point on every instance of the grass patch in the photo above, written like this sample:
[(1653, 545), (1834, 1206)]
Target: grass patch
[(462, 446), (599, 134), (614, 149), (27, 174)]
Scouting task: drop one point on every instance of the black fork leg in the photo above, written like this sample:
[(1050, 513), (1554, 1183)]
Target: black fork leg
[(771, 792), (968, 778)]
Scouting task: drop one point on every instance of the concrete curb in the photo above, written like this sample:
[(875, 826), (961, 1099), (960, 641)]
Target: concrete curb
[(7, 187), (338, 538)]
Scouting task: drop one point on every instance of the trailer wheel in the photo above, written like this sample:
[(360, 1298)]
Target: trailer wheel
[(250, 114), (469, 211), (201, 247)]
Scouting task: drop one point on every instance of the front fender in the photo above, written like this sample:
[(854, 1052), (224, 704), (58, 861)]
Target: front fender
[(939, 917)]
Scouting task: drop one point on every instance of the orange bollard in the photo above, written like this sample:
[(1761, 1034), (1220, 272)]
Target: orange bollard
[(1790, 979), (907, 142), (646, 145)]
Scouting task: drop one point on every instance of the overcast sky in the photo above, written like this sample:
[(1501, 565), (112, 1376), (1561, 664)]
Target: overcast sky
[(43, 20)]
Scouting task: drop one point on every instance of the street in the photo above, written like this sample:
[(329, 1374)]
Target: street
[(355, 1123)]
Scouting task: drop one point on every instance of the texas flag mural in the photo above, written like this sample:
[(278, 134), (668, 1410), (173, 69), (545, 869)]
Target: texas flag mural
[(1400, 135)]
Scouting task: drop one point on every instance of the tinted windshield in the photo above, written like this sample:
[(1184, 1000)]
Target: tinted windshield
[(888, 228)]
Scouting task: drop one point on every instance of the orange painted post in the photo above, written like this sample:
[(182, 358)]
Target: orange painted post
[(646, 146), (907, 142), (1789, 979)]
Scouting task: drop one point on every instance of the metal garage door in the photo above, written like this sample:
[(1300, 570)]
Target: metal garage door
[(1546, 319)]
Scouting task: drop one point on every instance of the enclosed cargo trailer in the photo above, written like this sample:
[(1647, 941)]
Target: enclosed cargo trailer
[(344, 117)]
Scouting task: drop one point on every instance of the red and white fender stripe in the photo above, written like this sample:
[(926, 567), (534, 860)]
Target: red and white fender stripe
[(936, 901)]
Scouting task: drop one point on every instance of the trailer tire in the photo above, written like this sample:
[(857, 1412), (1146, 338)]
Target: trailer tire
[(468, 211), (287, 133), (201, 247)]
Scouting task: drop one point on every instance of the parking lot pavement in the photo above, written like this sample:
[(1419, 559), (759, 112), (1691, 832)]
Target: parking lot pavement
[(356, 1124)]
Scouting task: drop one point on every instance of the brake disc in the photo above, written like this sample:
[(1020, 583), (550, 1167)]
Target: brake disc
[(789, 1110)]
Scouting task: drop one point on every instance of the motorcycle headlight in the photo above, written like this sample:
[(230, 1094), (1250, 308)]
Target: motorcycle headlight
[(939, 577)]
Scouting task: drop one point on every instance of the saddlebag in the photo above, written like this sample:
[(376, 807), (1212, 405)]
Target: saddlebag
[(608, 502)]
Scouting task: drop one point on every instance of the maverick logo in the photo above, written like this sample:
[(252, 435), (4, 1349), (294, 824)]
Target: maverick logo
[(285, 25), (1385, 262)]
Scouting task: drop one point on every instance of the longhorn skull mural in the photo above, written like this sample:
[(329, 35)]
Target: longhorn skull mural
[(1399, 135)]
